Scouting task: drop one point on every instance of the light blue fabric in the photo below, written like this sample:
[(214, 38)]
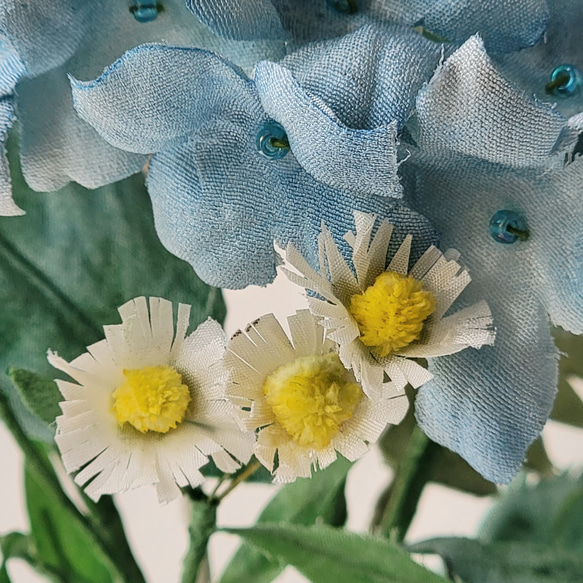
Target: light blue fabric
[(219, 203), (370, 76), (531, 69), (7, 206), (81, 37), (153, 97), (11, 70), (506, 25), (500, 151)]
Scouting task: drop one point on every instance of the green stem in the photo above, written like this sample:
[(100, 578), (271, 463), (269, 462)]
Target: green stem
[(42, 469), (202, 525), (248, 471), (412, 475)]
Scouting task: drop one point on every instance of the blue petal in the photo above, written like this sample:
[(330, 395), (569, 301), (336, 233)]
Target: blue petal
[(361, 161), (531, 68), (298, 21), (369, 77), (11, 69), (7, 205), (115, 30), (490, 404), (469, 108), (57, 146), (155, 96), (45, 33), (253, 19), (505, 25), (219, 205)]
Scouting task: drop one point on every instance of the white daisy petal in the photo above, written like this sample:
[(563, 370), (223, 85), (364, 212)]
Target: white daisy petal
[(112, 455), (400, 260), (343, 280), (296, 415), (352, 323), (182, 320), (425, 263), (377, 254)]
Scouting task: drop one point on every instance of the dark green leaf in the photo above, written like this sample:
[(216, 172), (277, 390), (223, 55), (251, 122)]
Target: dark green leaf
[(568, 523), (568, 407), (40, 394), (14, 545), (475, 562), (329, 555), (527, 512), (61, 546), (4, 578), (203, 523), (306, 501), (72, 260)]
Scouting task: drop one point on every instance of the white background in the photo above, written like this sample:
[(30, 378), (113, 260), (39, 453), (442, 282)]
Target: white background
[(158, 533)]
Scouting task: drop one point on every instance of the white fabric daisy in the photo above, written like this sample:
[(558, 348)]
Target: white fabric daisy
[(300, 399), (150, 406), (382, 318)]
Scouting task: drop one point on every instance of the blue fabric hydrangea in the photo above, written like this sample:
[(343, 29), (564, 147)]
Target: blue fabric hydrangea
[(494, 172), (532, 69), (506, 25), (43, 40), (220, 198)]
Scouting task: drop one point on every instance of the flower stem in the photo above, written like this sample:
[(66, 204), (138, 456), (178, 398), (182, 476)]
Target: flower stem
[(126, 570), (248, 471), (203, 524), (412, 475)]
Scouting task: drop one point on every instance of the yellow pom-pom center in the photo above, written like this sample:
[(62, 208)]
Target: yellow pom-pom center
[(391, 312), (153, 398), (311, 397)]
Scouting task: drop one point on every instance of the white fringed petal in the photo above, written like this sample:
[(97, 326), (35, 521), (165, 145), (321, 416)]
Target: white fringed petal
[(113, 458), (441, 275), (264, 347)]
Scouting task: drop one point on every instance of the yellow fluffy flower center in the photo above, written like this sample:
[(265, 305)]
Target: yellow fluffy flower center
[(391, 312), (311, 397), (153, 398)]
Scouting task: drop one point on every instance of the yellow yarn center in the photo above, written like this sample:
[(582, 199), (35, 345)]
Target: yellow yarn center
[(391, 312), (311, 397), (153, 398)]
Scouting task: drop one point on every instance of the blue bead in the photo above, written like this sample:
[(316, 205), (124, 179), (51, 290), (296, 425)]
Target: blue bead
[(145, 10), (272, 140), (346, 6), (508, 227), (565, 81)]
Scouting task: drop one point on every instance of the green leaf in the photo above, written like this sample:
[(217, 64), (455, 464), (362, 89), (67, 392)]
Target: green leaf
[(305, 501), (61, 546), (413, 473), (13, 545), (527, 512), (568, 407), (4, 578), (568, 523), (475, 562), (40, 394), (203, 523), (329, 555), (72, 260)]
